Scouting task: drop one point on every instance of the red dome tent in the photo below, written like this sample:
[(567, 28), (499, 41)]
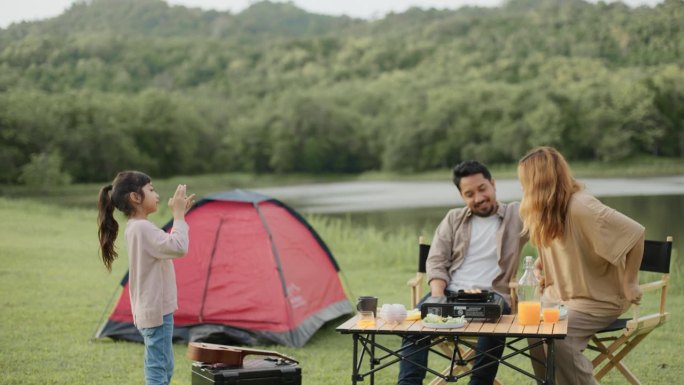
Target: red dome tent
[(256, 273)]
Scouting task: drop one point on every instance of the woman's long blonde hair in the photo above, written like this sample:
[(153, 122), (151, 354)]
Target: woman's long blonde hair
[(548, 185)]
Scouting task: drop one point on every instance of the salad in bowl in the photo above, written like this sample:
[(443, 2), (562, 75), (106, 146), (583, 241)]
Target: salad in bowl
[(439, 322)]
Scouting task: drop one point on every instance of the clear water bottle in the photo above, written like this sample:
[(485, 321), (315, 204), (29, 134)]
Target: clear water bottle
[(529, 298)]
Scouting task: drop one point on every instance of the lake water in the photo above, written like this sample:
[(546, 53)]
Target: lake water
[(661, 215), (656, 203)]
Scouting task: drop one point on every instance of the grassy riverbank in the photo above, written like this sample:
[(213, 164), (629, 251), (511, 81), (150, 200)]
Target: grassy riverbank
[(55, 289)]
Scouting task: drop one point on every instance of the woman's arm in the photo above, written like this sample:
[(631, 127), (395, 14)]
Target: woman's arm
[(630, 283)]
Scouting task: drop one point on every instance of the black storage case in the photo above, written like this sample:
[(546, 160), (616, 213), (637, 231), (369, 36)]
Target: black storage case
[(482, 306), (265, 371)]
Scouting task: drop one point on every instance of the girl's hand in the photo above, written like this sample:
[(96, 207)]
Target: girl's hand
[(189, 202), (179, 203)]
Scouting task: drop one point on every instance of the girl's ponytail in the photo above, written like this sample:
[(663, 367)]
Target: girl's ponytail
[(117, 195), (108, 228)]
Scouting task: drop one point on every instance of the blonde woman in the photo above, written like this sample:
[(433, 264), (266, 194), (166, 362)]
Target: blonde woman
[(589, 255)]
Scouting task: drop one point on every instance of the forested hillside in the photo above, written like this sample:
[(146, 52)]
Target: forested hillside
[(114, 84)]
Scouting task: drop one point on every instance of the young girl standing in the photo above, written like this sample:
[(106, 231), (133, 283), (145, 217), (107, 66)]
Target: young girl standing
[(152, 280)]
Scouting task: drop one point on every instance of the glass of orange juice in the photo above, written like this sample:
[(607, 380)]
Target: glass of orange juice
[(366, 319), (550, 311), (529, 312)]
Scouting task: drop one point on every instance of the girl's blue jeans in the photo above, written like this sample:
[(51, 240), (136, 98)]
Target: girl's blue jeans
[(159, 352)]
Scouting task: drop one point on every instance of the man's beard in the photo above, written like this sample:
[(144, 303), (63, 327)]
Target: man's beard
[(490, 212)]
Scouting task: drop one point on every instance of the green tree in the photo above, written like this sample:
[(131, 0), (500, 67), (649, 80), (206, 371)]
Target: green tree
[(44, 171)]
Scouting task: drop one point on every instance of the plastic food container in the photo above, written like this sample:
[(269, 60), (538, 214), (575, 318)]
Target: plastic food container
[(393, 312)]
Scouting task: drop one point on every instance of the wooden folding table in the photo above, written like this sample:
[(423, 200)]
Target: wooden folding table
[(381, 356)]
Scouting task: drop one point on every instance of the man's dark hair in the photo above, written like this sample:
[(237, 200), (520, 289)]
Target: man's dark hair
[(468, 168)]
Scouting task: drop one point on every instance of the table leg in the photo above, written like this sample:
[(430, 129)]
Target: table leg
[(372, 359), (550, 362), (355, 372)]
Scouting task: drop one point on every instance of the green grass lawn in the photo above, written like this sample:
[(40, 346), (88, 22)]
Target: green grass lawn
[(54, 289)]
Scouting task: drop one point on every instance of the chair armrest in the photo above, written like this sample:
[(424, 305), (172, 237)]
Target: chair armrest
[(653, 285), (416, 285), (416, 281), (647, 322)]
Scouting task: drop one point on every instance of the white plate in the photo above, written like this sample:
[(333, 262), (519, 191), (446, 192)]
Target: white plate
[(450, 325)]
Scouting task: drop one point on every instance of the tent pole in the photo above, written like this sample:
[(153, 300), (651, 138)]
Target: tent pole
[(209, 266), (281, 275)]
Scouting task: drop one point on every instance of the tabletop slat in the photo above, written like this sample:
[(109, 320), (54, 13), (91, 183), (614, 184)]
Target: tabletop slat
[(561, 327), (504, 324), (531, 329), (405, 325), (546, 327), (349, 323), (417, 326), (473, 326), (516, 327), (488, 327), (396, 326)]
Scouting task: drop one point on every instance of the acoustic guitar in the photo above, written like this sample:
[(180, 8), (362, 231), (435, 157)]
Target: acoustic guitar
[(227, 355)]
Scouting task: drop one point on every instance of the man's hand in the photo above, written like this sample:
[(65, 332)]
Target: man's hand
[(436, 299), (437, 287)]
